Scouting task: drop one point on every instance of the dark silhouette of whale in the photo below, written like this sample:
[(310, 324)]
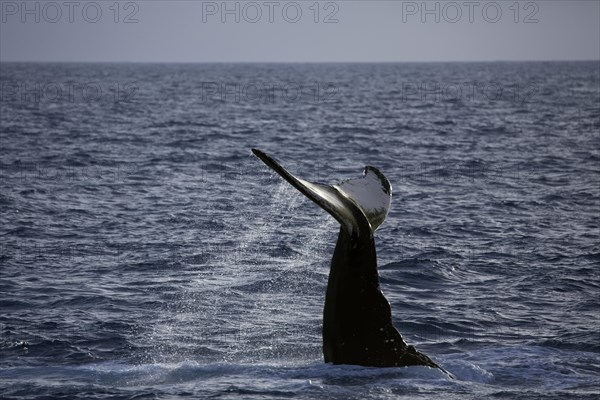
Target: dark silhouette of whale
[(357, 318)]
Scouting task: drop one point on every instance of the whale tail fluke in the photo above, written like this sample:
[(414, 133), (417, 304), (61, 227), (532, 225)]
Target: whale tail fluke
[(360, 205)]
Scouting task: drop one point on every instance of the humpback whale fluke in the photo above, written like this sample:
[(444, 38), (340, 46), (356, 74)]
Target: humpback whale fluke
[(357, 318)]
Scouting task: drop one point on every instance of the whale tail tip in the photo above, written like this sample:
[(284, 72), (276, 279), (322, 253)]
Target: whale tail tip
[(360, 205)]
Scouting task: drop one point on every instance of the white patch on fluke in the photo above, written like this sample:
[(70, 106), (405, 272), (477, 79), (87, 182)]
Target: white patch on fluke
[(371, 193)]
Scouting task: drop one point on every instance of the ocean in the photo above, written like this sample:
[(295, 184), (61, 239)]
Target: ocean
[(147, 254)]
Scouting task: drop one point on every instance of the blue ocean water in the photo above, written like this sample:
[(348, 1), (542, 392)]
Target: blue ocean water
[(145, 253)]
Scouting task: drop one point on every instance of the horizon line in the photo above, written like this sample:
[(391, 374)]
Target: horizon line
[(292, 62)]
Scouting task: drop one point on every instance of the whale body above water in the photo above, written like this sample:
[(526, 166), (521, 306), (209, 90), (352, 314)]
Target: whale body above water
[(357, 318)]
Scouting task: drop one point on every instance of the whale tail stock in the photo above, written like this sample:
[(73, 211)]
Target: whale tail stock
[(360, 205), (357, 321)]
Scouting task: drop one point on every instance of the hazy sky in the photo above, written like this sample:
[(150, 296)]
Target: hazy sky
[(298, 31)]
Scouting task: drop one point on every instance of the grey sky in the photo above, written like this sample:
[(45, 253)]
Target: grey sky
[(288, 31)]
